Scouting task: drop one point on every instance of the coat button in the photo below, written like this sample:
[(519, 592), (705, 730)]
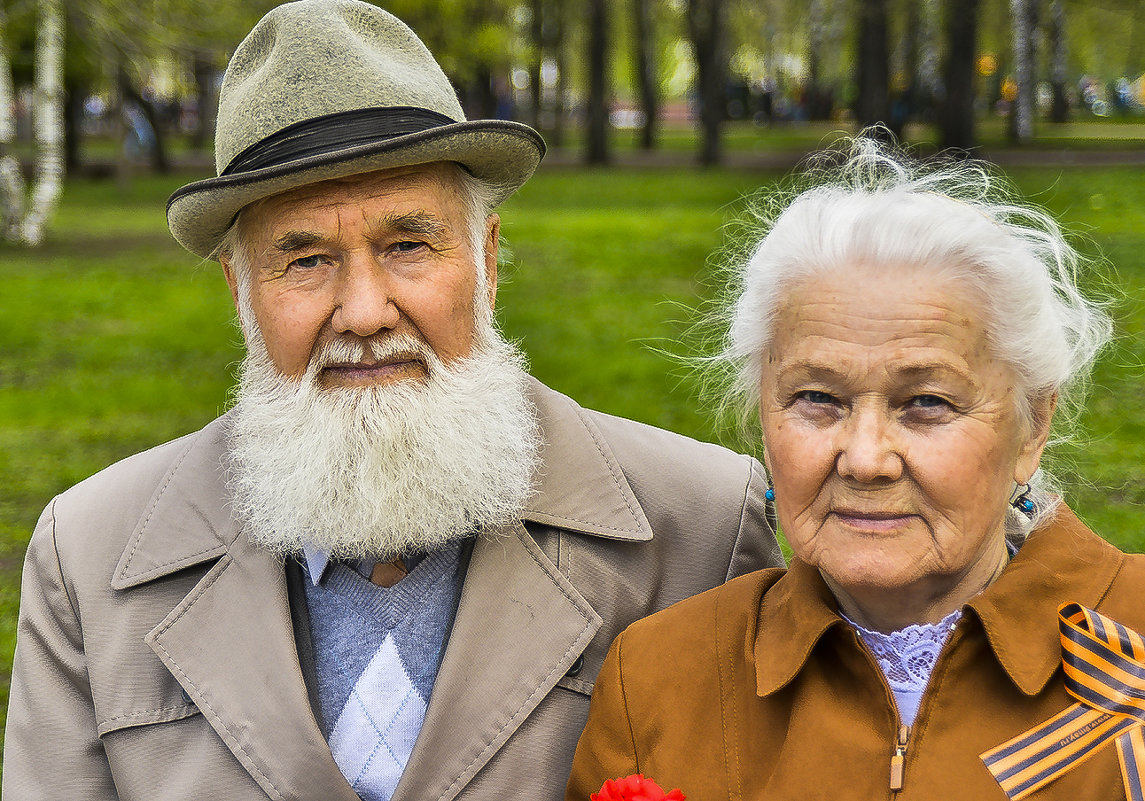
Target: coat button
[(575, 668)]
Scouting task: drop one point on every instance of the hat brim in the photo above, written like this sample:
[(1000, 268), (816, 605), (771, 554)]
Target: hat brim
[(500, 152)]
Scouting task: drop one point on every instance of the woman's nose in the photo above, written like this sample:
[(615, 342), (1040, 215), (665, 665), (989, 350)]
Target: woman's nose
[(364, 302), (867, 449)]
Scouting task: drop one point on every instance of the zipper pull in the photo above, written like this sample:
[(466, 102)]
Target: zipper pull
[(899, 758)]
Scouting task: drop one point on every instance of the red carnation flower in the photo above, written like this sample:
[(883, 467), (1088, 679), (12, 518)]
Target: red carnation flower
[(634, 788)]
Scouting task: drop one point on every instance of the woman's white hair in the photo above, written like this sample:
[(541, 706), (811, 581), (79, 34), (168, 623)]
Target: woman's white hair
[(957, 217)]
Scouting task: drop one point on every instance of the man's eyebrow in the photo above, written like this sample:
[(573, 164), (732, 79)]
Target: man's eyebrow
[(292, 241), (414, 222)]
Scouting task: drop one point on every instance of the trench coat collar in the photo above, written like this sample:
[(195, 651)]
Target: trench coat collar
[(581, 485), (1063, 562)]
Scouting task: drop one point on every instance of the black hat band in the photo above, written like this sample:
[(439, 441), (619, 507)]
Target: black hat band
[(331, 133)]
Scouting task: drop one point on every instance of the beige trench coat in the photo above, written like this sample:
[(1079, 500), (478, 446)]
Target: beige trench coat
[(156, 659)]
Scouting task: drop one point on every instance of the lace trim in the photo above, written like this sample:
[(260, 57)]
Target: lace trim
[(907, 656)]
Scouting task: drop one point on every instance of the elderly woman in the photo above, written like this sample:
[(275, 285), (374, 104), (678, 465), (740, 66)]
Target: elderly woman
[(906, 338)]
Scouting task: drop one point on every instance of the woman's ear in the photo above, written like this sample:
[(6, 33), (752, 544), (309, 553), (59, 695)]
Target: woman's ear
[(1038, 433)]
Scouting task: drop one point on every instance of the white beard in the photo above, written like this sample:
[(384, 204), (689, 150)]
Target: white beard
[(379, 472)]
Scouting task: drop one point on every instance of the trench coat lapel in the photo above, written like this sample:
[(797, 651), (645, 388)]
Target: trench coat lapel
[(519, 627), (230, 641)]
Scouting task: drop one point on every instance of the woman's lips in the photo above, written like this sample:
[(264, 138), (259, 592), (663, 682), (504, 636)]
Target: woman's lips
[(874, 522)]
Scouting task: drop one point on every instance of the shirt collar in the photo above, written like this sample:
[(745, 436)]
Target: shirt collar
[(1063, 562), (318, 561)]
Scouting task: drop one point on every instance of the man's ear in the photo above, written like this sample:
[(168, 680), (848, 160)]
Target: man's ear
[(232, 280), (492, 248)]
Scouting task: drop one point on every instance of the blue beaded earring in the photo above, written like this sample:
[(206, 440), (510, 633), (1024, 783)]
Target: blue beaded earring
[(770, 494), (1023, 503)]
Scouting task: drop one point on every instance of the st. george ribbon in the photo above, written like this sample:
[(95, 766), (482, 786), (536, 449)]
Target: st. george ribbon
[(1104, 664)]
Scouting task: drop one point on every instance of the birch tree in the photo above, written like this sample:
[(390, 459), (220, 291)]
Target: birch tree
[(11, 178), (24, 215), (1023, 13)]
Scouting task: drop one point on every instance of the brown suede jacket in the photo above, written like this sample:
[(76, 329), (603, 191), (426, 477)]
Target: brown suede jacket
[(759, 690)]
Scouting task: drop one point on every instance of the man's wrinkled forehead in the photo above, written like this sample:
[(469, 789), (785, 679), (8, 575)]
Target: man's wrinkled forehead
[(409, 182)]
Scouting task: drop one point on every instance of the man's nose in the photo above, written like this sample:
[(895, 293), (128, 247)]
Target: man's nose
[(868, 451), (364, 302)]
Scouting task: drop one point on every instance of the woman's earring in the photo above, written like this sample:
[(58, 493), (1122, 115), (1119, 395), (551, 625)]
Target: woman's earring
[(770, 494), (1023, 503)]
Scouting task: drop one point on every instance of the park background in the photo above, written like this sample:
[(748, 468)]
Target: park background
[(664, 119)]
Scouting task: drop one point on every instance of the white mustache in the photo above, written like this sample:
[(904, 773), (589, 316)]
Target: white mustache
[(345, 351)]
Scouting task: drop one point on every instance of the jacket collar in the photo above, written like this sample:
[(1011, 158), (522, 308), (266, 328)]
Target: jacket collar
[(1063, 562), (580, 487), (188, 520)]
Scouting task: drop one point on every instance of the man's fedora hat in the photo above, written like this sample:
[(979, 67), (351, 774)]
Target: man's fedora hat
[(323, 89)]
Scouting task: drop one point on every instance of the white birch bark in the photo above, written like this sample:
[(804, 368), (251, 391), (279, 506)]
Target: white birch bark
[(929, 68), (1023, 110), (11, 178), (48, 119)]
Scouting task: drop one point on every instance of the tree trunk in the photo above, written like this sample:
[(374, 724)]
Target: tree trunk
[(597, 119), (706, 29), (814, 93), (159, 161), (929, 66), (74, 94), (956, 117), (48, 101), (1059, 106), (905, 101), (204, 72), (556, 45), (537, 37), (11, 175), (872, 105), (1022, 13), (646, 83)]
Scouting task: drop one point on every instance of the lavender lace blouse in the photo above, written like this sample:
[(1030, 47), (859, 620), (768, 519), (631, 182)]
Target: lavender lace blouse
[(907, 658)]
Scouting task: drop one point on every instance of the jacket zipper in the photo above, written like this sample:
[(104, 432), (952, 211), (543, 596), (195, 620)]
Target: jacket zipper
[(899, 758), (898, 755)]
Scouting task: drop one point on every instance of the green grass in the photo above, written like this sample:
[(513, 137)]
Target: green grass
[(114, 339)]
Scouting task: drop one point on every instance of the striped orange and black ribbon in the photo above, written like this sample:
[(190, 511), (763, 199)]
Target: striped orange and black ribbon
[(1104, 665)]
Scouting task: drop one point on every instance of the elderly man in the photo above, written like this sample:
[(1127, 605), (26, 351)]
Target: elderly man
[(393, 569)]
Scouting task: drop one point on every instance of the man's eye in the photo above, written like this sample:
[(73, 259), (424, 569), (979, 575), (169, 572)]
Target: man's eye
[(815, 396), (307, 262), (928, 402), (407, 246)]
